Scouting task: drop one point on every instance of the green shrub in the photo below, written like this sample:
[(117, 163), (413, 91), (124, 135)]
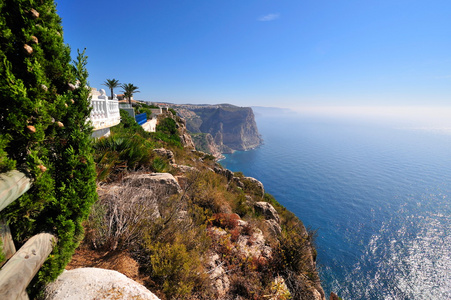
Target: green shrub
[(118, 153), (240, 205), (168, 126), (174, 113), (173, 140), (6, 164), (128, 126), (160, 165), (174, 267), (2, 254), (44, 119), (173, 248)]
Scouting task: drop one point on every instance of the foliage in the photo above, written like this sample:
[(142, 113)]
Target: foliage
[(128, 126), (43, 120), (174, 113), (167, 126), (173, 248), (140, 108), (129, 90), (167, 132), (6, 163), (111, 84), (2, 254), (174, 267), (116, 219), (117, 153), (225, 220), (129, 148)]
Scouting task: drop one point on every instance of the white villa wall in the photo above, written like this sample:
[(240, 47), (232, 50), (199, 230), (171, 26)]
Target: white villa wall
[(150, 125), (104, 113)]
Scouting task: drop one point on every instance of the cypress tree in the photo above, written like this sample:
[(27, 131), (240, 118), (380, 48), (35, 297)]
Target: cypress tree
[(43, 130)]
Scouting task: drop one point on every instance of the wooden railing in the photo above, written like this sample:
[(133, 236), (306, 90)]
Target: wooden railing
[(22, 265)]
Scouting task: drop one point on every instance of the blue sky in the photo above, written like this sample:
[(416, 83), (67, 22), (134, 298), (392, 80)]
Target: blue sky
[(293, 53)]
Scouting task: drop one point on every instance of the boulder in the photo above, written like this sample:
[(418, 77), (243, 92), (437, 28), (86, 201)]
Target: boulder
[(94, 283), (237, 181), (253, 245), (217, 273), (165, 153), (123, 197), (224, 172), (185, 168), (255, 185), (273, 227), (267, 210), (161, 183)]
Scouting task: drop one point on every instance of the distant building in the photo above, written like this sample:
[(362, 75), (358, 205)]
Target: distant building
[(104, 114)]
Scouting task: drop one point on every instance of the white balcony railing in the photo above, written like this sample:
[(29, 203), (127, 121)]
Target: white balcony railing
[(105, 112)]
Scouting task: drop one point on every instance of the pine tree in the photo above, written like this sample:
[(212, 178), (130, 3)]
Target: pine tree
[(43, 130)]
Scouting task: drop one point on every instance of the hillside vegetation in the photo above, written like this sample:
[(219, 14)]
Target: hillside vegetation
[(210, 234), (43, 130)]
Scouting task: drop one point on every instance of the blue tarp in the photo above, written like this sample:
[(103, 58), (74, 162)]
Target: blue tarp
[(141, 118)]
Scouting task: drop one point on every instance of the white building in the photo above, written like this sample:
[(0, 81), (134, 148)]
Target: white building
[(104, 114)]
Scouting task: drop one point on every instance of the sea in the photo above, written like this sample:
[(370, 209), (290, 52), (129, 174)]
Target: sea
[(377, 193)]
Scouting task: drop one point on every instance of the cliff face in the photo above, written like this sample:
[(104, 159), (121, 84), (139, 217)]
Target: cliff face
[(204, 142), (232, 127), (200, 231)]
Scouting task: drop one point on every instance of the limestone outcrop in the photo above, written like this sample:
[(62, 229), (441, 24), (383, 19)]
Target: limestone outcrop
[(267, 210), (224, 172), (165, 153), (185, 137), (94, 283), (255, 185), (231, 127), (205, 142), (163, 182)]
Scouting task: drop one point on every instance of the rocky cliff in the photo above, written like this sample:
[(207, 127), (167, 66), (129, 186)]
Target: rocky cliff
[(205, 142), (232, 127), (185, 227)]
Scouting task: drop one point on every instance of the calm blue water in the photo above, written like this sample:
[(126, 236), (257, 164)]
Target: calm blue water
[(379, 196)]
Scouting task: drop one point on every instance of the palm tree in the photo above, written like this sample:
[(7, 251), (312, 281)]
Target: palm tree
[(111, 84), (129, 89)]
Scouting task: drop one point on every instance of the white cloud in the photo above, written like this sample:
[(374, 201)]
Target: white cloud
[(270, 17)]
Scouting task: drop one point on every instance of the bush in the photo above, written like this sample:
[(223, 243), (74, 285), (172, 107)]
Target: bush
[(6, 164), (167, 126), (174, 268), (167, 132), (128, 126), (44, 123), (225, 220), (173, 248), (116, 154)]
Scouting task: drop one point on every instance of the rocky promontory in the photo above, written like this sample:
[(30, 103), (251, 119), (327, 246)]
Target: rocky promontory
[(179, 224), (230, 127)]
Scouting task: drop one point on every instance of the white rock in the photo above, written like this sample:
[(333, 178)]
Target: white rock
[(94, 283), (159, 181)]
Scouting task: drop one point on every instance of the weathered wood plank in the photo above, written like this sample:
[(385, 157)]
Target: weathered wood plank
[(17, 273), (12, 185), (7, 241)]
